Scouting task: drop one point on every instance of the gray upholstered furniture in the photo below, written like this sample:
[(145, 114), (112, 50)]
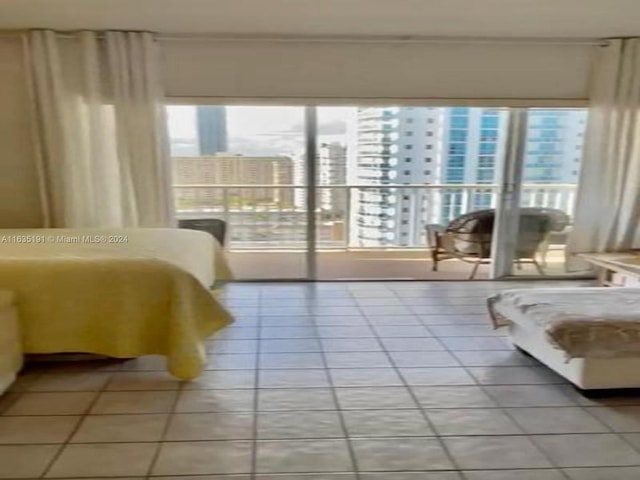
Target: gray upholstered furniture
[(468, 237), (214, 226)]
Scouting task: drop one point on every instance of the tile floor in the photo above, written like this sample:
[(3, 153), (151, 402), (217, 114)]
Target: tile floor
[(330, 381)]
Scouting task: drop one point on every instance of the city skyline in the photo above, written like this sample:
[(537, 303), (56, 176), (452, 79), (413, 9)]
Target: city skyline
[(395, 149)]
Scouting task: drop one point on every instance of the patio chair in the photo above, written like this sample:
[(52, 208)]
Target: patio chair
[(468, 238), (558, 230), (214, 226)]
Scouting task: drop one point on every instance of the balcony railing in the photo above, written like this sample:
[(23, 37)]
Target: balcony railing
[(348, 216)]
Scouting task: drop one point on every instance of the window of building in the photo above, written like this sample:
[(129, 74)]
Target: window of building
[(489, 121), (427, 159), (409, 120), (457, 161), (458, 136), (487, 148), (485, 175), (427, 172), (548, 134), (407, 172), (547, 147), (429, 147), (486, 161), (409, 134), (455, 175), (408, 147), (549, 121), (459, 122), (407, 159), (457, 148), (488, 135)]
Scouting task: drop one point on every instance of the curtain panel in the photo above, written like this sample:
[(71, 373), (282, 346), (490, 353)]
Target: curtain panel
[(101, 132), (607, 217)]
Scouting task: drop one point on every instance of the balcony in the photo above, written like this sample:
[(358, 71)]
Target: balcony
[(268, 226)]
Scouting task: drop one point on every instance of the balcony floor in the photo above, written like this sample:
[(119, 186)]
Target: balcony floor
[(367, 265)]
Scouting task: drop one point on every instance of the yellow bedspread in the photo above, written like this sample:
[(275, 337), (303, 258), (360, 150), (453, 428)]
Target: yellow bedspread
[(121, 293)]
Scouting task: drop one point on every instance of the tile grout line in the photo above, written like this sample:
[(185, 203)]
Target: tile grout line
[(256, 384), (339, 412), (504, 412), (247, 439), (77, 426), (323, 352), (448, 454), (165, 430)]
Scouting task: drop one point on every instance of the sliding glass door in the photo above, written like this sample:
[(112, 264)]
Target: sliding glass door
[(246, 165), (386, 175), (365, 192), (539, 193)]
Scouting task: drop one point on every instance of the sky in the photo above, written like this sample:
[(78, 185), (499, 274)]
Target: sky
[(248, 121), (262, 130)]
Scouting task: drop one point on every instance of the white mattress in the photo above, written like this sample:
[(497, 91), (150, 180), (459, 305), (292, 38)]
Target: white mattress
[(583, 322)]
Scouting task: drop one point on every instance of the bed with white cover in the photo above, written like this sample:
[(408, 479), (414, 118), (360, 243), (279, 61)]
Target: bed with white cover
[(589, 335)]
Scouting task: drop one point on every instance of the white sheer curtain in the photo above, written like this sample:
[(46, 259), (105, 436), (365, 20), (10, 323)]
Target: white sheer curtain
[(101, 129), (608, 202)]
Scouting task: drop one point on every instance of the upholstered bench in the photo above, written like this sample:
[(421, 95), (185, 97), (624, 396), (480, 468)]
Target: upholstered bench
[(589, 335), (10, 346)]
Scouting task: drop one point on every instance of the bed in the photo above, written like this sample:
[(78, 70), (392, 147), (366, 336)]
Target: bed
[(122, 293), (589, 335), (10, 349)]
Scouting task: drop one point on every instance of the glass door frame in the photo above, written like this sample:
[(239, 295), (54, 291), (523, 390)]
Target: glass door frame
[(511, 185), (505, 229), (311, 183)]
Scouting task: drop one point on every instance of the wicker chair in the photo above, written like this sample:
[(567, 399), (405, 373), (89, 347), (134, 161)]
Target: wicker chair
[(468, 238), (558, 230)]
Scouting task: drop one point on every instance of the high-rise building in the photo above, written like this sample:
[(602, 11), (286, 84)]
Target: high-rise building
[(473, 141), (221, 170), (332, 170), (554, 146), (437, 146), (211, 123), (396, 146)]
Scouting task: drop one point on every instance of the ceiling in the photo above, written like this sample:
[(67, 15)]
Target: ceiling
[(446, 18)]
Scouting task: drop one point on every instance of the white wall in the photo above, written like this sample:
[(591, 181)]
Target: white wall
[(525, 73), (19, 194)]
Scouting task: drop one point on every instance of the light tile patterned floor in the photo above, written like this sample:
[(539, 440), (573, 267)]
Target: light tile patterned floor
[(329, 381)]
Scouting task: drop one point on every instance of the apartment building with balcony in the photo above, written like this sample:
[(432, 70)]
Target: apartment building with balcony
[(405, 149), (197, 176)]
